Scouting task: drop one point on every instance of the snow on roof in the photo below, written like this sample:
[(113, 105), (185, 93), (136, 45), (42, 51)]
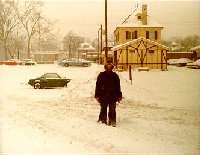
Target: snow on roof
[(195, 48), (86, 46), (133, 21), (178, 52), (183, 60), (174, 44), (197, 62), (136, 40)]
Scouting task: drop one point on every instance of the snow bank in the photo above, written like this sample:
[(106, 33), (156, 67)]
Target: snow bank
[(158, 114)]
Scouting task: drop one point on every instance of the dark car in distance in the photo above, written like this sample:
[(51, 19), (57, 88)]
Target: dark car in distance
[(49, 80)]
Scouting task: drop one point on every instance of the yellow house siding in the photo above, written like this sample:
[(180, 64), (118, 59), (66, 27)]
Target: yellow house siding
[(120, 33), (142, 53), (138, 43)]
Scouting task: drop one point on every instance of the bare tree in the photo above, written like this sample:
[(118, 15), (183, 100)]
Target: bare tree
[(166, 43), (187, 42), (45, 35), (18, 45), (71, 42), (1, 20), (8, 23), (30, 18), (190, 41), (47, 42)]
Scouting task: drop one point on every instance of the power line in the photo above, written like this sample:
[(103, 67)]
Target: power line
[(136, 8)]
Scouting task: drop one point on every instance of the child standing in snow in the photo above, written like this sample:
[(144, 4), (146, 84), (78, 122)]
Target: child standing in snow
[(107, 93)]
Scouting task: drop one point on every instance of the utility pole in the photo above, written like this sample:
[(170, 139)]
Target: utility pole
[(98, 46), (106, 33), (101, 39), (99, 43)]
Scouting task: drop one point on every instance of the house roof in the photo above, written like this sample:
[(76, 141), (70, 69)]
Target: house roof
[(137, 40), (133, 21), (86, 46), (195, 48)]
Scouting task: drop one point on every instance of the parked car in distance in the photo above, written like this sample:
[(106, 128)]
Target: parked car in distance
[(49, 80), (11, 62), (75, 62), (28, 62), (17, 61), (179, 62), (194, 65)]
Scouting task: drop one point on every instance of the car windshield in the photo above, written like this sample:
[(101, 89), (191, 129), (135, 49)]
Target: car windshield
[(74, 59), (16, 60), (52, 76), (27, 60)]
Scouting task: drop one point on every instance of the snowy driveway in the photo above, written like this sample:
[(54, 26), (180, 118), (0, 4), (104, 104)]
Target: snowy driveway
[(159, 113)]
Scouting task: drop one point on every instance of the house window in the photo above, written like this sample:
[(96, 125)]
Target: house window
[(134, 35), (156, 35), (132, 51), (151, 51), (147, 34), (128, 35), (152, 35), (139, 17)]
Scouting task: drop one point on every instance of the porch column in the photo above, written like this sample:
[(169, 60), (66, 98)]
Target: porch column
[(126, 58)]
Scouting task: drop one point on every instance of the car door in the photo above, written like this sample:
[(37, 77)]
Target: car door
[(75, 62), (62, 83), (79, 63), (53, 80), (57, 80), (49, 80)]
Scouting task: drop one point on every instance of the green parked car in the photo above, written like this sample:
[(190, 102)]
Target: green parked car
[(49, 80)]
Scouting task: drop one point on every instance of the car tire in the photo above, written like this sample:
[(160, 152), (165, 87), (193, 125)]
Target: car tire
[(66, 65), (85, 65), (37, 85)]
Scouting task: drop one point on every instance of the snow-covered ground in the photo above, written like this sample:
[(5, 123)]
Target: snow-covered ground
[(159, 114)]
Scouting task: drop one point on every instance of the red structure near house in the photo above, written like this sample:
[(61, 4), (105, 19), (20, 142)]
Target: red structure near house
[(178, 55)]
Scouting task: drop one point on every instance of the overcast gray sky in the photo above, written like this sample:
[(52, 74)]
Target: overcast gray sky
[(179, 18)]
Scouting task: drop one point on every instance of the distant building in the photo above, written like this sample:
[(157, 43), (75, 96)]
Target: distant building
[(178, 55), (87, 51), (176, 47), (138, 42), (177, 52), (196, 51), (46, 57)]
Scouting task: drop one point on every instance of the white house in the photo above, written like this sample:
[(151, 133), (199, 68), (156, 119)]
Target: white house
[(87, 51), (197, 51)]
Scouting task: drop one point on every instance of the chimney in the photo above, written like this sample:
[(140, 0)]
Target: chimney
[(144, 14)]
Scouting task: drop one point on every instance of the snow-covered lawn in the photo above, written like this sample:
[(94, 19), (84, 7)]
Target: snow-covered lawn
[(159, 114)]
